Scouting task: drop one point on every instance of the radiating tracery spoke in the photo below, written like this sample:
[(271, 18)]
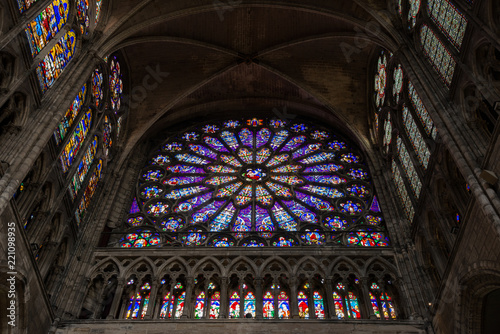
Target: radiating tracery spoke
[(255, 183)]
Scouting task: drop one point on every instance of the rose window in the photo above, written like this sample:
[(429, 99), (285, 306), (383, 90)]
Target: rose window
[(255, 183)]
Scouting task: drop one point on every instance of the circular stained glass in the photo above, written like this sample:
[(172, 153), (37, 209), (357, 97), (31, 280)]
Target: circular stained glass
[(139, 239), (255, 182)]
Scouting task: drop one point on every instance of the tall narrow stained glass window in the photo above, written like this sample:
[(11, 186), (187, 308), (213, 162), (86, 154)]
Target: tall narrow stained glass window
[(214, 305), (382, 303), (414, 8), (115, 84), (83, 169), (409, 167), (234, 305), (138, 303), (46, 25), (199, 306), (24, 5), (439, 56), (70, 115), (346, 303), (249, 305), (449, 19), (403, 193), (89, 193), (416, 138), (283, 306), (270, 184), (82, 13), (421, 111), (303, 302), (51, 67), (74, 144)]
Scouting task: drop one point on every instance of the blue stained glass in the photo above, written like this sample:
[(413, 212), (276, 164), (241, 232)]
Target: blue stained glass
[(284, 220), (313, 237), (357, 173), (153, 175), (245, 196), (246, 137), (263, 155), (326, 179), (350, 158), (160, 160), (245, 155), (287, 169), (210, 128), (232, 124), (294, 143), (336, 223), (202, 150), (173, 147), (264, 223), (277, 160), (350, 207), (299, 128), (278, 139), (358, 190), (323, 168), (70, 115), (277, 123), (215, 144), (253, 174), (191, 203), (319, 135), (228, 190), (230, 160), (192, 159), (243, 222), (307, 149), (73, 146), (218, 180), (221, 169), (190, 136), (323, 191), (314, 201), (279, 189), (283, 242), (203, 214), (56, 60), (184, 192), (185, 169), (222, 220), (230, 139), (262, 138), (157, 209), (151, 191), (83, 169), (291, 180), (183, 180), (262, 195), (255, 122), (319, 157), (337, 145), (222, 242), (301, 212), (136, 221), (172, 224), (195, 238), (25, 4)]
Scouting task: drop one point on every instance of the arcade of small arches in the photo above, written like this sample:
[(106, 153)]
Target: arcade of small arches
[(245, 287)]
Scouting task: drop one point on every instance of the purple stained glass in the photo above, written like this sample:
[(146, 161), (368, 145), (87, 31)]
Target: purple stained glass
[(202, 150), (314, 201), (262, 138), (172, 224), (223, 219), (134, 208), (204, 214), (293, 143), (243, 222), (284, 220), (375, 207), (246, 137), (278, 139), (263, 222), (183, 180), (279, 190), (218, 180), (185, 169), (230, 139), (336, 223), (326, 179), (323, 168), (301, 212), (307, 149), (323, 191), (215, 144), (191, 203), (317, 158), (291, 180)]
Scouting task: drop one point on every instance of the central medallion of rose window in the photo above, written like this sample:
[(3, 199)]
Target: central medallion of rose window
[(254, 174)]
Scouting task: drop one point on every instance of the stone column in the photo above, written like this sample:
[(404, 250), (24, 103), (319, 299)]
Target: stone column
[(116, 299), (258, 298), (224, 298), (152, 299), (186, 313), (330, 311), (366, 304), (100, 295), (294, 306), (310, 302)]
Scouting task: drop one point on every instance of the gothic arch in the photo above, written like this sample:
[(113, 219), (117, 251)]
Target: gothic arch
[(343, 260), (241, 260), (309, 266), (207, 261)]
